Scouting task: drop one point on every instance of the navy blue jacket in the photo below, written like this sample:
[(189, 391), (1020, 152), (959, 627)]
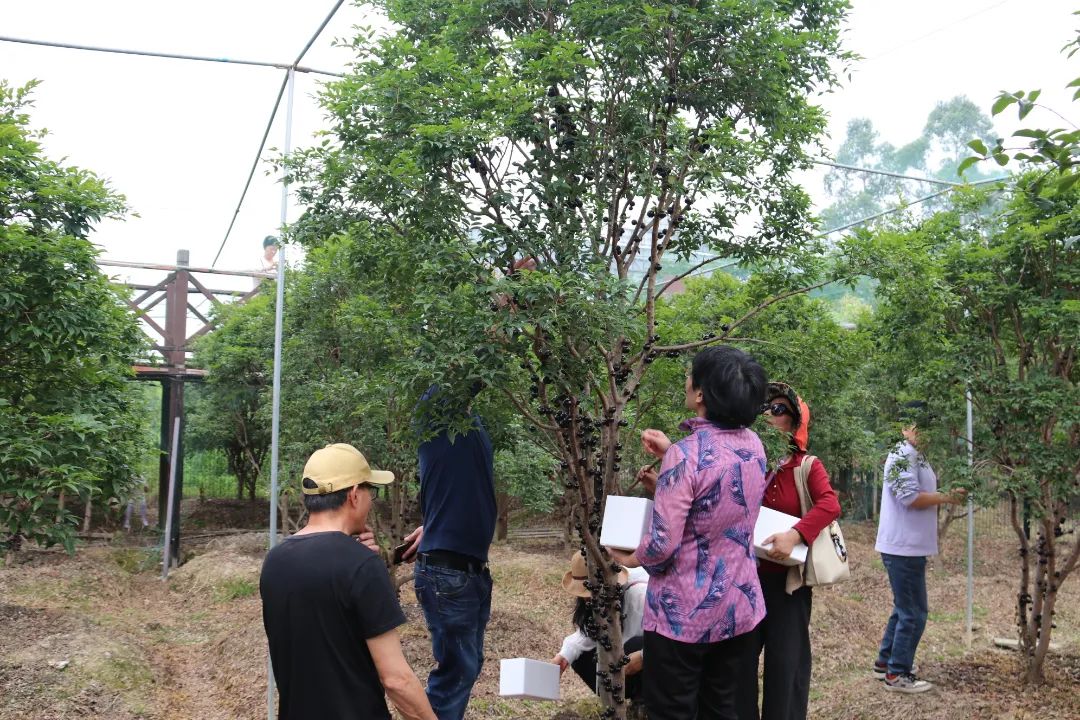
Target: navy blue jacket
[(457, 488)]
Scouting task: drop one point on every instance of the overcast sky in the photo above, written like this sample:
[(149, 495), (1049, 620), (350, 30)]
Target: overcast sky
[(177, 138)]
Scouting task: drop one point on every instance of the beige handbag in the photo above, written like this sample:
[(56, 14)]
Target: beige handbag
[(826, 561)]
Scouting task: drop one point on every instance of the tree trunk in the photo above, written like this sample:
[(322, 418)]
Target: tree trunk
[(567, 514), (502, 516), (283, 508), (397, 511), (591, 452), (946, 518), (87, 514), (1024, 614)]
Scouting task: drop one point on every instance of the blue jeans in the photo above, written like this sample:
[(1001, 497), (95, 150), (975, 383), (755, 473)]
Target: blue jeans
[(907, 576), (457, 606)]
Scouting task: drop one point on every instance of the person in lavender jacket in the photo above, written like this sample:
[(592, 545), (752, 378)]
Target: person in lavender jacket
[(907, 535), (704, 597)]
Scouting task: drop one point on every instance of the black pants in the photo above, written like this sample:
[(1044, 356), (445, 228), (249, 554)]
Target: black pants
[(784, 634), (585, 667), (693, 680)]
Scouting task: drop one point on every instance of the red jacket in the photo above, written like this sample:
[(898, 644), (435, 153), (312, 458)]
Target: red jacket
[(781, 495)]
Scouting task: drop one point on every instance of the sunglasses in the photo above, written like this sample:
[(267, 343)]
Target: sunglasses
[(777, 409), (374, 490)]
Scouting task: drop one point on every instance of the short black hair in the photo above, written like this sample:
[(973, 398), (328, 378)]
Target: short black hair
[(324, 503), (732, 384)]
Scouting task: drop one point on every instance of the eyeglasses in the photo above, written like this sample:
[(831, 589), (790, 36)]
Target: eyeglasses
[(374, 490), (777, 409)]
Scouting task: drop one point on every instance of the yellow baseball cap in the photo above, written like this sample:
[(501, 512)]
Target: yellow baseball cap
[(340, 466)]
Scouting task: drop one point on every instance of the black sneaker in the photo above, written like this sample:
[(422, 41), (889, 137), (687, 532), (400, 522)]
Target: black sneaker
[(880, 671), (906, 683)]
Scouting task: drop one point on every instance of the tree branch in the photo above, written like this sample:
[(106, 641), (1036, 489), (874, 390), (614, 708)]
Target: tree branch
[(700, 265), (778, 298), (525, 411)]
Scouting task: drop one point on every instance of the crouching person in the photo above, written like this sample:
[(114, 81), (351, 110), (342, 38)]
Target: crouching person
[(329, 609), (579, 647)]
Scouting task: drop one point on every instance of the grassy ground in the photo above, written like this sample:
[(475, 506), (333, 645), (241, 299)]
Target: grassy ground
[(99, 635)]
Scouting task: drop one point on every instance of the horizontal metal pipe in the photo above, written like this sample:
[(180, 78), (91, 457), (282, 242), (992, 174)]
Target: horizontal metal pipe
[(168, 56)]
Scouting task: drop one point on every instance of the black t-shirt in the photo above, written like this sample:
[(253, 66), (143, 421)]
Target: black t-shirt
[(323, 596)]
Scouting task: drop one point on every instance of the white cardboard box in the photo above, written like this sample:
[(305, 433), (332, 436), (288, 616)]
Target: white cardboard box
[(770, 522), (525, 678), (626, 520)]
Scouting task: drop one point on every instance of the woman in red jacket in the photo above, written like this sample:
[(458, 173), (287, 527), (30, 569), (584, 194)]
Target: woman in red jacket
[(784, 634)]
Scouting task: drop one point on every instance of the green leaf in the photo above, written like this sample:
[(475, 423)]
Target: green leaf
[(1004, 100), (1035, 134), (1001, 159), (966, 163), (1067, 182), (978, 146)]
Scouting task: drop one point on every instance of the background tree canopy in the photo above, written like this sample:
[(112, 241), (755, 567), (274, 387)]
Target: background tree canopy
[(69, 420)]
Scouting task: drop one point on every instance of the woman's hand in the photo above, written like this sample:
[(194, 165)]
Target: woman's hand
[(956, 496), (634, 666), (655, 442), (782, 544), (561, 662), (647, 477), (624, 558)]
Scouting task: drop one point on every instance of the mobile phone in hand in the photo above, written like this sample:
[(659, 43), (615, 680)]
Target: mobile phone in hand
[(397, 556)]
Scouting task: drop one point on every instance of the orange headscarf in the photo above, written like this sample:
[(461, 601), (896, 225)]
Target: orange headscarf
[(800, 434)]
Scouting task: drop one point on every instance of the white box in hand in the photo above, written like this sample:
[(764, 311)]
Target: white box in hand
[(525, 678), (770, 522), (626, 520)]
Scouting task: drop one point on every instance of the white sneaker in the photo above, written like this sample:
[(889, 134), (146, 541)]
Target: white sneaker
[(906, 683)]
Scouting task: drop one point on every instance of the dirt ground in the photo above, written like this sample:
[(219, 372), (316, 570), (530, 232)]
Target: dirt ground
[(98, 635)]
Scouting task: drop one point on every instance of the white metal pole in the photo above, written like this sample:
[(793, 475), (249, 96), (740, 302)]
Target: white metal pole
[(968, 615), (166, 555), (276, 423)]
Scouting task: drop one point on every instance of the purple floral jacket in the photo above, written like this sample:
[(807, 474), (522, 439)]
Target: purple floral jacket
[(703, 582)]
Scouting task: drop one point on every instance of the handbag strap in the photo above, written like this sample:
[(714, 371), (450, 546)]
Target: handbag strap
[(801, 474)]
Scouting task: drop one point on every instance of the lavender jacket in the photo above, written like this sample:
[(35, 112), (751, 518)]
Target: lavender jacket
[(703, 582)]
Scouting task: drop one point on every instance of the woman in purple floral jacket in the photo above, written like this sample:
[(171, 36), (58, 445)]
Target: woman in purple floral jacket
[(704, 596)]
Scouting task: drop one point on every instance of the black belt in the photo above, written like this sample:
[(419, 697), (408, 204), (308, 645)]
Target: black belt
[(452, 561)]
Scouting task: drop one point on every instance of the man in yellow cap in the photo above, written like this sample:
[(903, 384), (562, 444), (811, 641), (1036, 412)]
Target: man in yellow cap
[(329, 608)]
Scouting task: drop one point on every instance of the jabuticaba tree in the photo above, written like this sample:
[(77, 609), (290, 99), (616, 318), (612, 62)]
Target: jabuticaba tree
[(595, 140)]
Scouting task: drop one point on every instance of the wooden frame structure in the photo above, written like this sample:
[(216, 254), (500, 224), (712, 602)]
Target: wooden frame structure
[(174, 344)]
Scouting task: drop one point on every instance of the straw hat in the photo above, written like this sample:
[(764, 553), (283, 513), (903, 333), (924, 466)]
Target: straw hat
[(573, 581)]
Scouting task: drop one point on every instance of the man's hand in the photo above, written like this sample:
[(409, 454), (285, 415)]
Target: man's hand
[(957, 496), (647, 477), (367, 538), (624, 558), (634, 666), (655, 442), (414, 539), (782, 544), (561, 662)]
